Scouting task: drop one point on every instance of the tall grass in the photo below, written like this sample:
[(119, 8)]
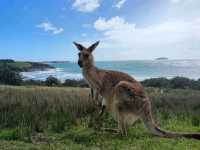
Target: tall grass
[(31, 109), (39, 108)]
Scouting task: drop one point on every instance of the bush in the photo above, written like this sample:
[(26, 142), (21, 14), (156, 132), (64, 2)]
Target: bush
[(181, 83), (75, 83), (34, 82), (175, 83), (157, 82), (52, 81), (8, 76)]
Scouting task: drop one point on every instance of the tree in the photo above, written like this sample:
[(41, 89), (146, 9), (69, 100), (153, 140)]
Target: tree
[(52, 81)]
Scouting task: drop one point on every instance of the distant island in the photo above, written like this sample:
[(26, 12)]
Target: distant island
[(24, 66), (162, 58)]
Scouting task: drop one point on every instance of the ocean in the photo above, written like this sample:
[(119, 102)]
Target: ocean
[(139, 69)]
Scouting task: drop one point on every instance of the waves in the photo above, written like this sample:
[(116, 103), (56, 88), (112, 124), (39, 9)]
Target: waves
[(58, 73)]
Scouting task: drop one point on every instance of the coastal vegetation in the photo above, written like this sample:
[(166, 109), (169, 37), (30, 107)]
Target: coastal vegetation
[(10, 70), (174, 83)]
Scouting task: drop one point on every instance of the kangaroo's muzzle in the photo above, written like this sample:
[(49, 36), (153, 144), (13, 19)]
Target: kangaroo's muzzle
[(80, 64)]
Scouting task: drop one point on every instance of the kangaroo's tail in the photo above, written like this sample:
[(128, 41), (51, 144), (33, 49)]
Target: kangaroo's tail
[(154, 129)]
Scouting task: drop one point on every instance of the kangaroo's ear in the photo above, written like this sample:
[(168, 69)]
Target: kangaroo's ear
[(93, 46), (79, 46)]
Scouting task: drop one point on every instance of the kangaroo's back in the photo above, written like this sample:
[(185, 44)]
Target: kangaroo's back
[(112, 78)]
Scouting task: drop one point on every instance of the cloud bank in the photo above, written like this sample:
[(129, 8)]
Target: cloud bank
[(170, 38)]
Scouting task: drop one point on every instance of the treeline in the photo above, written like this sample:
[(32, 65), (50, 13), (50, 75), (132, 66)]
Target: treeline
[(52, 81), (11, 77), (6, 61), (174, 83)]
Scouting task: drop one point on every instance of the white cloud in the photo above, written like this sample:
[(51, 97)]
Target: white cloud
[(171, 39), (120, 3), (47, 26), (86, 5), (112, 24)]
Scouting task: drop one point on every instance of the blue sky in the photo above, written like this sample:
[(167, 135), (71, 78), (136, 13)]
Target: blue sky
[(40, 30)]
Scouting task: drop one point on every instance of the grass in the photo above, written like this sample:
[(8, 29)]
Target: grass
[(58, 118), (20, 65)]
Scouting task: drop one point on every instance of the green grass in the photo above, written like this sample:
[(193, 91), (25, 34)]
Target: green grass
[(19, 65), (82, 137), (58, 118), (25, 66)]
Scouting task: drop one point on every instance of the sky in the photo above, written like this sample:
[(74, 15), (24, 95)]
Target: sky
[(44, 30)]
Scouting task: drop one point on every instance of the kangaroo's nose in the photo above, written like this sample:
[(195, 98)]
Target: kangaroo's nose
[(80, 63)]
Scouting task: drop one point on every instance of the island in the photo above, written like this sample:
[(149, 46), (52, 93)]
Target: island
[(162, 58), (57, 61)]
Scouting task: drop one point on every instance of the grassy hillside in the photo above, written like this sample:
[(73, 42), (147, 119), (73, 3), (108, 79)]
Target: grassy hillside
[(59, 118), (24, 66)]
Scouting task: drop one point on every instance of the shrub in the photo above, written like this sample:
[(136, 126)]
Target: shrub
[(8, 76), (175, 83), (33, 82), (52, 81), (75, 83), (156, 82), (181, 83)]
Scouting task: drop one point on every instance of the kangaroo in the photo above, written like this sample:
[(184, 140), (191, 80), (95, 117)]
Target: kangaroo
[(123, 96)]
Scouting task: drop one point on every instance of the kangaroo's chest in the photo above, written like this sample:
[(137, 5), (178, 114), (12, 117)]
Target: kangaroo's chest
[(92, 79)]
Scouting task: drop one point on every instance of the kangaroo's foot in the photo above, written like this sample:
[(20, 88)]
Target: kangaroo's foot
[(116, 131), (122, 127)]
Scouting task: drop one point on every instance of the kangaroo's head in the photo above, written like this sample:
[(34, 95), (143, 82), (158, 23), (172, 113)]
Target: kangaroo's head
[(85, 54)]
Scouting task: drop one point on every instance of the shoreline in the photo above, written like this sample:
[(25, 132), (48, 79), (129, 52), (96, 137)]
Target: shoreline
[(62, 75)]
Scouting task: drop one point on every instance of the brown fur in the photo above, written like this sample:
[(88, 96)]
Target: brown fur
[(124, 96)]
